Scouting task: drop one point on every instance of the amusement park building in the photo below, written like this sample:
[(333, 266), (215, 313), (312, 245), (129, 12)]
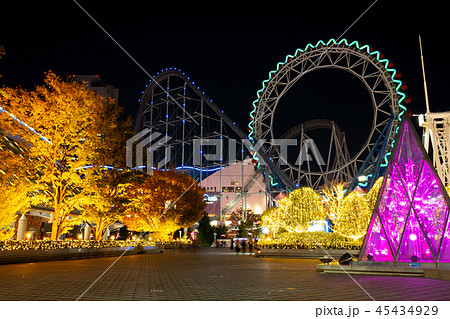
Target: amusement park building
[(225, 194)]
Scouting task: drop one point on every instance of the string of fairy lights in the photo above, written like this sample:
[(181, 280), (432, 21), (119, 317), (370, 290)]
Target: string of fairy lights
[(69, 244), (315, 240), (348, 216)]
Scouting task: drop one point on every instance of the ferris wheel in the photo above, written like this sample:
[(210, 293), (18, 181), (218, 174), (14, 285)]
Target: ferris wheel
[(369, 66)]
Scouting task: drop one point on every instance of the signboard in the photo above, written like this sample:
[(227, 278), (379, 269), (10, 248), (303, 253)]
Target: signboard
[(209, 199)]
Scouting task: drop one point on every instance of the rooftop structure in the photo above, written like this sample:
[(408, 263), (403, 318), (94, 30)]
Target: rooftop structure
[(96, 84)]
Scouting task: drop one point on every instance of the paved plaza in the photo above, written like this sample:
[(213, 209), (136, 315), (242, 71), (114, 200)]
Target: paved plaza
[(203, 274)]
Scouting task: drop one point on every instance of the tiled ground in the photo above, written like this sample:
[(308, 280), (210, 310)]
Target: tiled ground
[(206, 274)]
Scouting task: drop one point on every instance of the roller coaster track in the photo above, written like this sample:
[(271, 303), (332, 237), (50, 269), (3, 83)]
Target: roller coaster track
[(174, 72)]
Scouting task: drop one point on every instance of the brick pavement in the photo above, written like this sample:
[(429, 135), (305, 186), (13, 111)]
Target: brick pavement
[(206, 274)]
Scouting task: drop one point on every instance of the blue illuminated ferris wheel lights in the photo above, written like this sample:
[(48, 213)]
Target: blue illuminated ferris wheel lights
[(388, 66)]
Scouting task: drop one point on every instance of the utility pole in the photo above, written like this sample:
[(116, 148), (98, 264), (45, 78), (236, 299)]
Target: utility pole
[(424, 80)]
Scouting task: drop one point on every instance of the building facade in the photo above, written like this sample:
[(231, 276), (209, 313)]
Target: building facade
[(233, 191)]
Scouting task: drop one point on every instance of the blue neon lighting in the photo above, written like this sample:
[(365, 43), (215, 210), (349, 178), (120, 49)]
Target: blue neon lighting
[(289, 57), (25, 125)]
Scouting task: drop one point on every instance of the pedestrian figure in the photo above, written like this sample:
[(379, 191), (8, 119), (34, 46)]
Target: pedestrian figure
[(238, 248), (232, 244), (243, 247), (250, 247)]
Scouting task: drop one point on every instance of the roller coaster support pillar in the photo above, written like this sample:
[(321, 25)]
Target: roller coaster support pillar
[(262, 155)]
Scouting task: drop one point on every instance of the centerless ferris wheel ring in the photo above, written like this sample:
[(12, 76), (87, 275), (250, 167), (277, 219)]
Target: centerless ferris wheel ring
[(369, 66)]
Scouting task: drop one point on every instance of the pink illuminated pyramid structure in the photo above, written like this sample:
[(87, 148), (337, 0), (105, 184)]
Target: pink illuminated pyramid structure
[(410, 220)]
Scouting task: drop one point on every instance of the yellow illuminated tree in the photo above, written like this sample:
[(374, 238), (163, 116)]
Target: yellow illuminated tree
[(104, 204), (447, 189), (15, 185), (334, 196), (350, 214), (270, 218), (372, 195), (66, 127), (163, 202), (353, 216), (13, 199), (303, 205)]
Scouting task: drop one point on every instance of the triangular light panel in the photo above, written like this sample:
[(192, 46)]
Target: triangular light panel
[(394, 207), (412, 208), (376, 246)]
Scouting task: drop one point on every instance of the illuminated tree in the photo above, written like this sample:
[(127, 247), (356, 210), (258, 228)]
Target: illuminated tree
[(13, 199), (353, 216), (350, 214), (303, 205), (104, 204), (270, 219), (66, 127), (164, 202), (372, 195), (447, 188), (15, 184), (334, 196), (13, 181), (246, 223)]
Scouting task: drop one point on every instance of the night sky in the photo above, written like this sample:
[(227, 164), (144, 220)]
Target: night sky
[(228, 49)]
